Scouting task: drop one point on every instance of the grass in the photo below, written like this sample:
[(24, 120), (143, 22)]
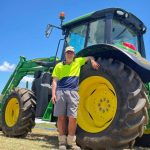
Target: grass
[(41, 138)]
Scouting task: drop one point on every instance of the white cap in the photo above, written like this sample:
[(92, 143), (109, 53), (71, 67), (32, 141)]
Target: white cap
[(69, 48)]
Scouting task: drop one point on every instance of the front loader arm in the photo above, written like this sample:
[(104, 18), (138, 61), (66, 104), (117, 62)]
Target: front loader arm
[(24, 68)]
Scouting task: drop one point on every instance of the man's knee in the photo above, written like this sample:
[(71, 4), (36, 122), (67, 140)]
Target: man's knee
[(61, 119), (72, 119)]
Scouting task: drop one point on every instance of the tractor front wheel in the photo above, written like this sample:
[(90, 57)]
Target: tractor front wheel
[(18, 113), (113, 105)]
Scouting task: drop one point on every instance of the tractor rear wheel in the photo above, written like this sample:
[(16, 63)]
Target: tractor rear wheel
[(18, 113), (113, 105)]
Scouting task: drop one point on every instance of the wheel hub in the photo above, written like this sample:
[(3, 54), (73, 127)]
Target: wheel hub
[(97, 106), (12, 112)]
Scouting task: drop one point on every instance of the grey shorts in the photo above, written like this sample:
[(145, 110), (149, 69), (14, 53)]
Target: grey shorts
[(66, 104)]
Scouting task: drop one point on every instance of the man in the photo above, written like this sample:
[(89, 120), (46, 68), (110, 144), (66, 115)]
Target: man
[(65, 96)]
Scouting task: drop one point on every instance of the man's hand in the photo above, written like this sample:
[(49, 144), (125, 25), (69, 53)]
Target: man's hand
[(54, 99), (95, 65)]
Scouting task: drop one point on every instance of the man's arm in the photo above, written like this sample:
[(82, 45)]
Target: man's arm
[(54, 85), (95, 65)]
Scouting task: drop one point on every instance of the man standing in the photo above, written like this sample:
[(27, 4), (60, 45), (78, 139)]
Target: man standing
[(65, 96)]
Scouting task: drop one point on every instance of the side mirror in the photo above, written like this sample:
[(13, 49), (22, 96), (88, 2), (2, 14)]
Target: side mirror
[(50, 27), (48, 30)]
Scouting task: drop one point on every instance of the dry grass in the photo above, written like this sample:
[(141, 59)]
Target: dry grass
[(40, 139)]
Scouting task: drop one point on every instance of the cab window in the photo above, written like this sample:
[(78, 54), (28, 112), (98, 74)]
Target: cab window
[(123, 34), (76, 37), (96, 32)]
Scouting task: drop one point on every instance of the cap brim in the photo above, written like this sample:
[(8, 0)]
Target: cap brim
[(69, 51)]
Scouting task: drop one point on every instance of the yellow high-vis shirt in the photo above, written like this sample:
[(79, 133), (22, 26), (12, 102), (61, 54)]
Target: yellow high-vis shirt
[(68, 74)]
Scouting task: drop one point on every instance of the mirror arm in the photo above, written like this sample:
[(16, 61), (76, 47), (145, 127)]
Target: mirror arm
[(56, 27), (50, 28)]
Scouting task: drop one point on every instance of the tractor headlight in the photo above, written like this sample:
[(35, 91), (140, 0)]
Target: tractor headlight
[(122, 13), (126, 15), (144, 29)]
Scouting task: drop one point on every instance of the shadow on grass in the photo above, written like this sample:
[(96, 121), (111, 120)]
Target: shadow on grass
[(50, 140)]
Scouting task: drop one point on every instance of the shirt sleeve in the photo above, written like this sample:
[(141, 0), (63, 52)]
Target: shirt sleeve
[(56, 72), (81, 60)]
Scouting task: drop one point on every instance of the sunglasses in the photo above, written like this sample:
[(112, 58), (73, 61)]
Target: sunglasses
[(69, 52)]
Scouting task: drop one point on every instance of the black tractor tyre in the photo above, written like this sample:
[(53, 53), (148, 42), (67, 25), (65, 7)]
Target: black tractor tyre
[(143, 141), (131, 114), (26, 116)]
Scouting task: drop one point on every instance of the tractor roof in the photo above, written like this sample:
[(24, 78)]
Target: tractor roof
[(132, 19)]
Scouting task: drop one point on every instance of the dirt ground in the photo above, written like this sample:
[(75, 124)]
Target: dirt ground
[(43, 137)]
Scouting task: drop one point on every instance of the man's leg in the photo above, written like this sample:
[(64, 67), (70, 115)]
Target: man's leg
[(60, 112), (71, 138), (73, 101), (61, 124), (72, 126)]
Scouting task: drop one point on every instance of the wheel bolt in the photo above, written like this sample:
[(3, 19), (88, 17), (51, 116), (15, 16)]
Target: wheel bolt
[(100, 108)]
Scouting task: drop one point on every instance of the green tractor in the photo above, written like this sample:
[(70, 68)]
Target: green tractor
[(114, 100)]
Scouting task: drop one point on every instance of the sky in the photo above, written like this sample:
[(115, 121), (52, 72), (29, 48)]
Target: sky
[(23, 23)]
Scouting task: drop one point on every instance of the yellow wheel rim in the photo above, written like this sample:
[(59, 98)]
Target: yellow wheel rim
[(12, 112), (98, 104)]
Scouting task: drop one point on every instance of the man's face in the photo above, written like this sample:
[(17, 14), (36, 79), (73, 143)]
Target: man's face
[(69, 56)]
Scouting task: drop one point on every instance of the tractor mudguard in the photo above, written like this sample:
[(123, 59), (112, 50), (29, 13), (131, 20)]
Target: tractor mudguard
[(140, 65)]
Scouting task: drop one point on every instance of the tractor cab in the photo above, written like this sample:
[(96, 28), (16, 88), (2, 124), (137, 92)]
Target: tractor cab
[(112, 26)]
